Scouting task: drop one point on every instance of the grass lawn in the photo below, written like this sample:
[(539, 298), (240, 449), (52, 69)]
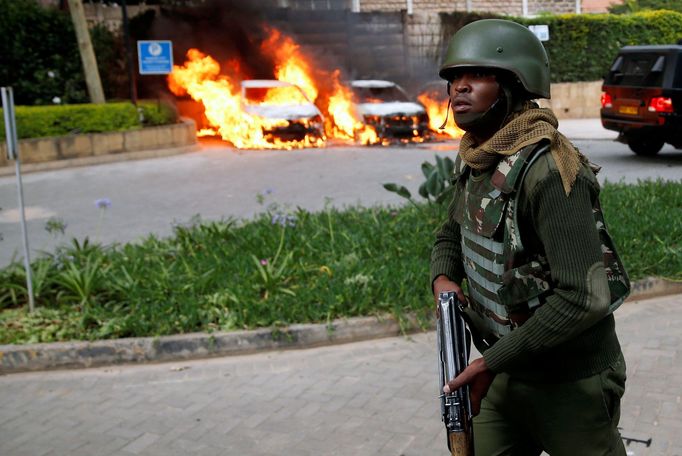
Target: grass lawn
[(284, 267)]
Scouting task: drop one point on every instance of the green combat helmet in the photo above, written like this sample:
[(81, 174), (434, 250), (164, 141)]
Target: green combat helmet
[(497, 43)]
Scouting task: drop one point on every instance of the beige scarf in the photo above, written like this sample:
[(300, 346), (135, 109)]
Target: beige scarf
[(528, 126)]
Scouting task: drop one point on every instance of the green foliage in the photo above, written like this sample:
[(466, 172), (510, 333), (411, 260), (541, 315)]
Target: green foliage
[(581, 47), (40, 121), (633, 6), (284, 268), (157, 112), (40, 57), (437, 184), (211, 276), (645, 220)]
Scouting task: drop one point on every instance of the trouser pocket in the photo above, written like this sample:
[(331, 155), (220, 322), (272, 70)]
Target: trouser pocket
[(613, 387)]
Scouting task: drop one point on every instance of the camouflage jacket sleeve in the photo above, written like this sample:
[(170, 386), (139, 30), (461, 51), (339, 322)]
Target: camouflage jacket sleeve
[(562, 229), (446, 256)]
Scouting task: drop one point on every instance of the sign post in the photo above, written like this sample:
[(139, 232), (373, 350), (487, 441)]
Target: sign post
[(155, 57), (13, 154)]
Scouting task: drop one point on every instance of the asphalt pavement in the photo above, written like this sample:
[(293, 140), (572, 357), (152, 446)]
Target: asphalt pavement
[(375, 397), (151, 195)]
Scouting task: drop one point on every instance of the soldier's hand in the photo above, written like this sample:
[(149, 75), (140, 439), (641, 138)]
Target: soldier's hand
[(479, 377), (442, 284)]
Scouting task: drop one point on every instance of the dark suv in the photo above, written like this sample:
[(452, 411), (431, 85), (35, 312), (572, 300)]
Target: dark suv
[(642, 97)]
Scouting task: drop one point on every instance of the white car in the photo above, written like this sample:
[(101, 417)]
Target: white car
[(385, 106), (283, 109)]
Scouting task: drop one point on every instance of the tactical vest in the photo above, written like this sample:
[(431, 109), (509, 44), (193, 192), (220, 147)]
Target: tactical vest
[(505, 283)]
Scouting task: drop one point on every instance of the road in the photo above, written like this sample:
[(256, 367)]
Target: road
[(372, 398), (149, 196)]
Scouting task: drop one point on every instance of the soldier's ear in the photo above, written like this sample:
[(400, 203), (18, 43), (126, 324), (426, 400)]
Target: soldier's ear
[(448, 89)]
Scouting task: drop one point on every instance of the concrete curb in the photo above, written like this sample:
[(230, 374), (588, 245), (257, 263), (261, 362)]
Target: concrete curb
[(36, 357), (57, 152), (33, 357)]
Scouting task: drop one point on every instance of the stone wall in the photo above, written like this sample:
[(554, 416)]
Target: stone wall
[(423, 40), (575, 100)]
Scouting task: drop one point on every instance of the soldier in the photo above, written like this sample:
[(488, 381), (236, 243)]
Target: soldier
[(525, 232)]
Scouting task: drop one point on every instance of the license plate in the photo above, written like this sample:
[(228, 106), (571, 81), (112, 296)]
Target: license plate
[(632, 110)]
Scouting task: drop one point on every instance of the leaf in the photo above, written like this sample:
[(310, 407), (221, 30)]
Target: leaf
[(423, 192), (391, 187), (434, 185), (427, 169), (445, 195), (446, 167), (400, 190)]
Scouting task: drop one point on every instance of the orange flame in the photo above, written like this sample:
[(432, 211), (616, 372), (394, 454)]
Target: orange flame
[(291, 65), (437, 110), (343, 122), (200, 77)]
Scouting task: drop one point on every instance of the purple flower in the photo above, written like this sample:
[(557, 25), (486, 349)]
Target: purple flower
[(283, 220), (263, 262), (102, 203), (268, 191)]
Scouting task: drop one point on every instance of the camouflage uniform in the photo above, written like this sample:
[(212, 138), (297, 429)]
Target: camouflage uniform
[(527, 235), (492, 240)]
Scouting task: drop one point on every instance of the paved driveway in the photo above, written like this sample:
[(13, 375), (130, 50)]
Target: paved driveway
[(368, 398)]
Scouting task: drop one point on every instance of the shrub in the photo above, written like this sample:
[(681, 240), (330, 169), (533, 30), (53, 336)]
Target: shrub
[(632, 6), (582, 46), (40, 121), (157, 112)]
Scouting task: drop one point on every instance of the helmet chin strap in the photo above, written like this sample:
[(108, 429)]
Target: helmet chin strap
[(447, 113)]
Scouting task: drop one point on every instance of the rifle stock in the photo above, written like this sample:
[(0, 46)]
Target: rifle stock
[(460, 444), (453, 354)]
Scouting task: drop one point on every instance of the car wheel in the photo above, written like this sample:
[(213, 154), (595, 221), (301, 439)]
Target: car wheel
[(645, 144)]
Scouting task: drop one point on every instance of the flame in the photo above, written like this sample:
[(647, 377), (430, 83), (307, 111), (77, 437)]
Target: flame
[(292, 66), (437, 109), (202, 79), (343, 122)]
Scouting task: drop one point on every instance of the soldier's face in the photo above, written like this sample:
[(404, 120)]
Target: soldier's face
[(473, 91)]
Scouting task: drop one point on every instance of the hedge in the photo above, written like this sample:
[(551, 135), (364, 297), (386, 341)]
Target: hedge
[(581, 47), (40, 121)]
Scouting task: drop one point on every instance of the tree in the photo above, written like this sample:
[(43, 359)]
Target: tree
[(39, 56)]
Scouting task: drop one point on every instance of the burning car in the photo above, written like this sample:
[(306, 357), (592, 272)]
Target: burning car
[(434, 96), (385, 106), (282, 112)]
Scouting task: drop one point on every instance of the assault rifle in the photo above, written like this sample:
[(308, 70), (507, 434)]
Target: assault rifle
[(453, 357)]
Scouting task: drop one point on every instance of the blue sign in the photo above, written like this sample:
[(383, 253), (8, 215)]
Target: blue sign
[(155, 57)]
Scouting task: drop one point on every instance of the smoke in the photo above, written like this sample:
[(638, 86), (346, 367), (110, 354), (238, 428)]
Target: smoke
[(228, 30)]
